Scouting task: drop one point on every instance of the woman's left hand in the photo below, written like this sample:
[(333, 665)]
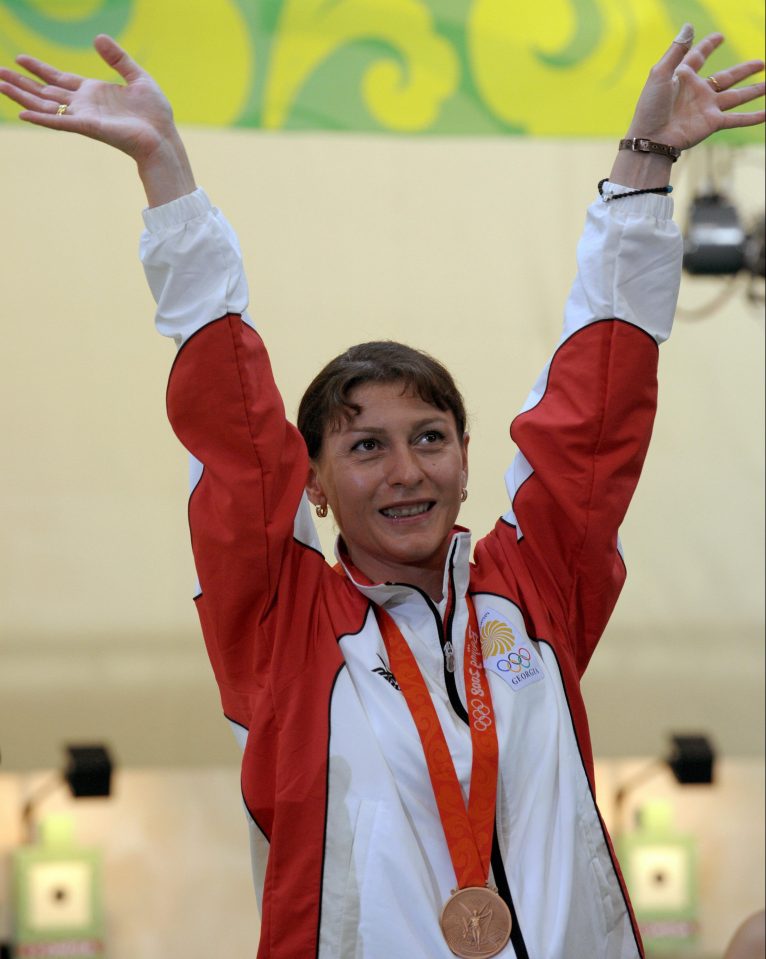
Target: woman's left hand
[(681, 108)]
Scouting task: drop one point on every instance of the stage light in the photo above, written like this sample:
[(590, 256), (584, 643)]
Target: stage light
[(715, 240), (88, 773), (691, 760)]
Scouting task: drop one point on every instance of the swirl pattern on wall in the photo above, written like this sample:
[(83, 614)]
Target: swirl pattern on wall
[(398, 66)]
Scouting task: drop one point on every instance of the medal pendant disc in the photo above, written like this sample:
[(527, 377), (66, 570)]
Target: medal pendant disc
[(476, 923)]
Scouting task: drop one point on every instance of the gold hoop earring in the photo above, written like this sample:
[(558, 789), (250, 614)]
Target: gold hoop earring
[(321, 510), (463, 495)]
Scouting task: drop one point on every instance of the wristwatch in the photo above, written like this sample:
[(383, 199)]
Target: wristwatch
[(642, 145)]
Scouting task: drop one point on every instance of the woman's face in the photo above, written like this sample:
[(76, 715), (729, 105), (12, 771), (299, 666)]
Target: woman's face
[(393, 476)]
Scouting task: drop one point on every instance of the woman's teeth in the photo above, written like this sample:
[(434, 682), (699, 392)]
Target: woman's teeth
[(399, 512)]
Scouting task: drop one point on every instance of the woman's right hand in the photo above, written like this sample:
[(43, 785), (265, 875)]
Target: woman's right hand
[(134, 117)]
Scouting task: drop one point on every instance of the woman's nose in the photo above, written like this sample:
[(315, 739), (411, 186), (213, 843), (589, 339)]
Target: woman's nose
[(404, 467)]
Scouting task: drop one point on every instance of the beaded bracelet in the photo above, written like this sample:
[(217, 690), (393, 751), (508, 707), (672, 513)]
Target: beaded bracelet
[(606, 197)]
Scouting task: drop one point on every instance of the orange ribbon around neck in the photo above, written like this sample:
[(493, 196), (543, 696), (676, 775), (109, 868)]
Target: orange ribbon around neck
[(468, 831)]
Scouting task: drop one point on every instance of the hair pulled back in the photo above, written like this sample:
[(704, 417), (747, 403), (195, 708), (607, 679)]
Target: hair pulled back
[(327, 399)]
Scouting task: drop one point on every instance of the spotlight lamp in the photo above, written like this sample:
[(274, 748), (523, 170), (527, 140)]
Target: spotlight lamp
[(715, 240), (691, 760), (719, 241), (88, 773)]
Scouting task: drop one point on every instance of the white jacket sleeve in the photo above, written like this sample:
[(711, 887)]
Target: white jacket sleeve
[(193, 264)]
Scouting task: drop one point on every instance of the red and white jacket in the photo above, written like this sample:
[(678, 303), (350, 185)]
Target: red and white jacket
[(349, 854)]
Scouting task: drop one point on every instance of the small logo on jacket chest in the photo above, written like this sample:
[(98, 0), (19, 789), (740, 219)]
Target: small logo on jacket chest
[(513, 658), (385, 672)]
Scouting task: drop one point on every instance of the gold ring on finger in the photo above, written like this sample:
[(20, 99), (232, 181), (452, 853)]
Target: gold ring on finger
[(713, 80), (61, 110)]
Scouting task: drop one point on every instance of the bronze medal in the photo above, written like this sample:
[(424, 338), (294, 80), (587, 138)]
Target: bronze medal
[(476, 922)]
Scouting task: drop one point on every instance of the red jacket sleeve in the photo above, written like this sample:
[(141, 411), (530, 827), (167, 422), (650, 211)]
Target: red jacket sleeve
[(225, 408), (585, 442)]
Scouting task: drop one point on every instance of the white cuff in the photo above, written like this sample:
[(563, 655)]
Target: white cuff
[(178, 211)]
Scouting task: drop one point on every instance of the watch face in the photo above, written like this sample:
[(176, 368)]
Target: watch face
[(60, 896)]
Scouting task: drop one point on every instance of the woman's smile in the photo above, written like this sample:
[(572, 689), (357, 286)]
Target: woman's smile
[(403, 512)]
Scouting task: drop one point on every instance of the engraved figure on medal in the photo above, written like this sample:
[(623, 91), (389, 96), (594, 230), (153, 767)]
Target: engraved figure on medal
[(474, 926)]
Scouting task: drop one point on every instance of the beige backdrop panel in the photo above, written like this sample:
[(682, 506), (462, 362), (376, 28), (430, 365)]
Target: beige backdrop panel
[(465, 247), (177, 879)]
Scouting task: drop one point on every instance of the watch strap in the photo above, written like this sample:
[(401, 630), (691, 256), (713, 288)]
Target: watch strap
[(642, 145)]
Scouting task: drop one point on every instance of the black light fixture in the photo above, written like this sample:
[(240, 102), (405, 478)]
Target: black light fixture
[(718, 240), (88, 773), (715, 240), (691, 760)]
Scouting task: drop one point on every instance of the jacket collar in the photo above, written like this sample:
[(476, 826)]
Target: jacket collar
[(397, 595)]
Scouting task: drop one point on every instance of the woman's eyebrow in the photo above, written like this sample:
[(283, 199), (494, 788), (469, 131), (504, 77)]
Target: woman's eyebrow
[(436, 420), (378, 430)]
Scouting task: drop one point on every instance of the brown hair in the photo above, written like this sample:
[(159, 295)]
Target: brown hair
[(384, 361)]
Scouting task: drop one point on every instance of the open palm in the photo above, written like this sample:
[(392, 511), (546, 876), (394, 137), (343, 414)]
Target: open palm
[(680, 107), (134, 116)]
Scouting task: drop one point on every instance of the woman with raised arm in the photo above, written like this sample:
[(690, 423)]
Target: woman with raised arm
[(417, 769)]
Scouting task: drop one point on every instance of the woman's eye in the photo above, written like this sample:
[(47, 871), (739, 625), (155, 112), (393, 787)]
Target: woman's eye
[(432, 436), (366, 446)]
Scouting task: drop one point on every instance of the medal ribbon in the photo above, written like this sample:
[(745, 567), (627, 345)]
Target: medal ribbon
[(468, 831)]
